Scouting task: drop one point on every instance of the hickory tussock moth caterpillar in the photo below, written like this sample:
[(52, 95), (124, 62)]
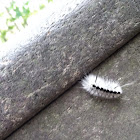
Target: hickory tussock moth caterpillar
[(101, 87)]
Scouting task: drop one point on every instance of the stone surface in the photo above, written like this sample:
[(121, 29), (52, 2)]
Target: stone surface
[(42, 65), (78, 116)]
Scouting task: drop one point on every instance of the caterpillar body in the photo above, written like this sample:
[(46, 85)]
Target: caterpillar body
[(101, 87)]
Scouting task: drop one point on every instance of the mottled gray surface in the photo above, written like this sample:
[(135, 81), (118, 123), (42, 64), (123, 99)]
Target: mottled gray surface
[(37, 70), (78, 116)]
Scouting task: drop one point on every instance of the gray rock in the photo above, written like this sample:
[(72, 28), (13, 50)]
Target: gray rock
[(38, 68), (78, 116)]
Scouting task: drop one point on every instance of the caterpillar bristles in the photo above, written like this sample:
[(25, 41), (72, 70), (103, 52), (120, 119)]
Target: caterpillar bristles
[(101, 87)]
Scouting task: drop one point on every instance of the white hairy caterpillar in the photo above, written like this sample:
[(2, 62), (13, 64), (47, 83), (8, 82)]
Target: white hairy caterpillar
[(101, 87)]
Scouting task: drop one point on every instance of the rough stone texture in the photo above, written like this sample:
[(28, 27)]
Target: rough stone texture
[(35, 71), (78, 116)]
